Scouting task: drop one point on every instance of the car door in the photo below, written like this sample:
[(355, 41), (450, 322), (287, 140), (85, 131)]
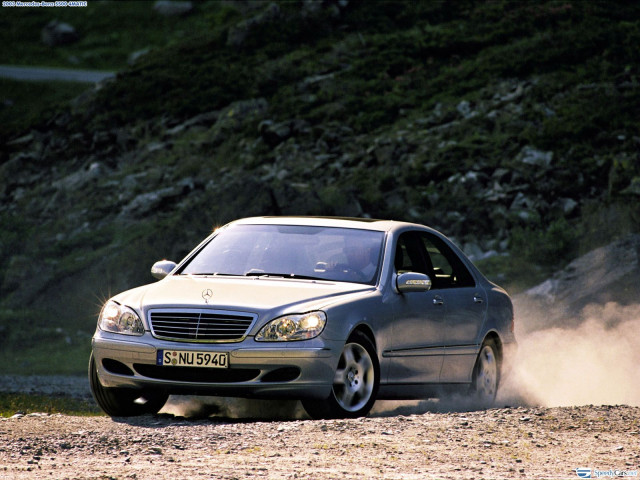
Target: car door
[(414, 355), (465, 304)]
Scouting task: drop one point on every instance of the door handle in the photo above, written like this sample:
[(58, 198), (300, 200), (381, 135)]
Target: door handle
[(477, 298), (438, 300)]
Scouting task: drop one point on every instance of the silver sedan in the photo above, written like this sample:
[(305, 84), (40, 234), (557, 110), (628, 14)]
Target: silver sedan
[(335, 312)]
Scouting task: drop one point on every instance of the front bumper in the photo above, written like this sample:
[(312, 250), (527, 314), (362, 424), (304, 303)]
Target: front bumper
[(297, 370)]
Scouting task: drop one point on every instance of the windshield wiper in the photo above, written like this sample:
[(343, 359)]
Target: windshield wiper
[(212, 274), (281, 275)]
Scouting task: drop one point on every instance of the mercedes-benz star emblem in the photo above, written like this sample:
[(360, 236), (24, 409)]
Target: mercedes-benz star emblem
[(207, 294)]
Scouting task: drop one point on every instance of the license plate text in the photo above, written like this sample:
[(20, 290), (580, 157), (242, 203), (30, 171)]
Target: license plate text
[(183, 358)]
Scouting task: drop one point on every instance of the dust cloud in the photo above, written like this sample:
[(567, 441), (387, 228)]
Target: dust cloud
[(195, 407), (595, 361)]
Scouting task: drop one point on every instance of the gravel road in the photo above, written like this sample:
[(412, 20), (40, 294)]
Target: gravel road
[(398, 441), (59, 385), (497, 443)]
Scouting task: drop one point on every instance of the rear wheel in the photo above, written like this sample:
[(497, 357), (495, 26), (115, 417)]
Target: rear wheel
[(124, 402), (355, 383), (486, 374)]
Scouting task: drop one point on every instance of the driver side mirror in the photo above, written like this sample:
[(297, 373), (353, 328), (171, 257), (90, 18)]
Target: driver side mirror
[(413, 282), (162, 268)]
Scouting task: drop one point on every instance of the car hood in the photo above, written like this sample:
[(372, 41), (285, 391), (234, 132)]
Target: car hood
[(257, 294)]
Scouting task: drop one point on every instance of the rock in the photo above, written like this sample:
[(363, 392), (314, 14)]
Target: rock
[(606, 274), (137, 55), (313, 8), (544, 290), (169, 8), (473, 251), (274, 133), (147, 202), (57, 33), (78, 179), (22, 141), (204, 119), (522, 202), (236, 114), (130, 183), (384, 154), (633, 188), (153, 147), (237, 35), (538, 158), (510, 90), (566, 205), (495, 193), (310, 8), (501, 174), (465, 109)]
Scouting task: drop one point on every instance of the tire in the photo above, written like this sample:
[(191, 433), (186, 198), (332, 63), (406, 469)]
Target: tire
[(486, 374), (356, 382), (124, 402)]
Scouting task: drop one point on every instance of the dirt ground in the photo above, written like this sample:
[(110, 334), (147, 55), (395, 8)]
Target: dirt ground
[(511, 442)]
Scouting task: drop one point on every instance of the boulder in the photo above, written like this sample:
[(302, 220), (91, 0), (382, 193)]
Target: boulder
[(237, 35), (57, 33), (537, 158), (604, 275)]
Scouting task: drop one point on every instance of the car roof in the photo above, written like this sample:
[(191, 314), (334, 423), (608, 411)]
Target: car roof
[(344, 222)]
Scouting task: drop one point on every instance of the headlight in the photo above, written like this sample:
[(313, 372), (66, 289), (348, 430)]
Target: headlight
[(120, 319), (293, 327)]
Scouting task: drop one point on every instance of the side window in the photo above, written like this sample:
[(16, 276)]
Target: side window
[(410, 256), (448, 269)]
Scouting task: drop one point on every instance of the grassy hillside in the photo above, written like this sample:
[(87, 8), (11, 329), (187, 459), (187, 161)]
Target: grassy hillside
[(510, 126)]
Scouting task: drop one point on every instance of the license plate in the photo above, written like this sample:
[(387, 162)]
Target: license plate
[(184, 358)]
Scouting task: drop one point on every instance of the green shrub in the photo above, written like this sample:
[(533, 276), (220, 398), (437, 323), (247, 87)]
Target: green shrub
[(548, 245)]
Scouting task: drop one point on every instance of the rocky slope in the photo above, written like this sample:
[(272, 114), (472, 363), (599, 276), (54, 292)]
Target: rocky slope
[(511, 127)]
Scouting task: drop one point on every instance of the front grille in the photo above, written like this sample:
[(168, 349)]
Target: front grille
[(191, 325)]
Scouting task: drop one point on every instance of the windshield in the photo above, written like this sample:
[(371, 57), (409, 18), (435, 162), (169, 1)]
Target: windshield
[(326, 253)]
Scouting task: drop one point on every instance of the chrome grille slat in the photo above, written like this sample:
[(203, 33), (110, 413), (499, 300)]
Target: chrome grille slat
[(195, 325)]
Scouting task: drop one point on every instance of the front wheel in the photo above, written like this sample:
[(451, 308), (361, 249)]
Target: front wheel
[(123, 402), (355, 383), (486, 374)]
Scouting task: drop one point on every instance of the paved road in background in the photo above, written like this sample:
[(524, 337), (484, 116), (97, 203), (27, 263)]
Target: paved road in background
[(57, 385), (43, 74)]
